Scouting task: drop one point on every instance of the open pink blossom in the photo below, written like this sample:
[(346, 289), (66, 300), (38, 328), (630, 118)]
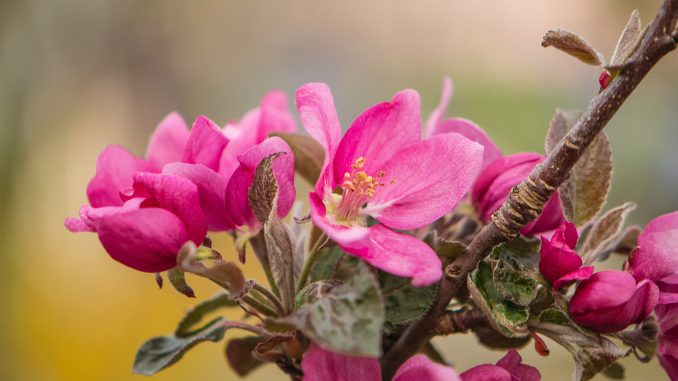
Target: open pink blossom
[(495, 182), (559, 263), (319, 364), (508, 368), (609, 301), (146, 232), (436, 124), (667, 351), (381, 168), (656, 257)]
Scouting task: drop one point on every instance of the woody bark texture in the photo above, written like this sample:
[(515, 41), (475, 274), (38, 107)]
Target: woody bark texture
[(527, 199)]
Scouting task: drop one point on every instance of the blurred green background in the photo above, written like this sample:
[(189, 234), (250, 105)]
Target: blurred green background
[(77, 75)]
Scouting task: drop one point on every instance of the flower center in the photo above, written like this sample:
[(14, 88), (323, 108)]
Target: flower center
[(356, 190)]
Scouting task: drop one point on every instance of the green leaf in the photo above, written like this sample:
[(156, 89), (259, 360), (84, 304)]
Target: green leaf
[(404, 303), (333, 263), (605, 231), (614, 371), (506, 317), (592, 352), (207, 263), (196, 313), (627, 43), (348, 319), (308, 155), (574, 45), (315, 291), (263, 197), (514, 270), (239, 354), (160, 352)]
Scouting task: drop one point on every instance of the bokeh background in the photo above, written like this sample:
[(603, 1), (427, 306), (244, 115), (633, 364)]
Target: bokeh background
[(77, 75)]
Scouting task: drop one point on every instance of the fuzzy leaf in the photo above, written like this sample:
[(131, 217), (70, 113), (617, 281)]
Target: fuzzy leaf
[(314, 291), (196, 313), (333, 263), (263, 197), (584, 193), (177, 278), (628, 42), (560, 125), (349, 319), (614, 371), (574, 45), (308, 155), (239, 354), (506, 317), (592, 353), (490, 338), (514, 270), (160, 352), (404, 303), (606, 230)]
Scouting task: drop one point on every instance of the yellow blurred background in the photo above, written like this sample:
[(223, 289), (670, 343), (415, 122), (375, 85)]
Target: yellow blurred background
[(77, 75)]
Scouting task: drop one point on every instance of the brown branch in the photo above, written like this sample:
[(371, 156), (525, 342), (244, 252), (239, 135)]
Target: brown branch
[(459, 321), (527, 199)]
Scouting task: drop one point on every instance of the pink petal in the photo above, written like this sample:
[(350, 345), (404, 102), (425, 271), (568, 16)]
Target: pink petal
[(76, 225), (512, 362), (657, 253), (486, 372), (168, 141), (212, 192), (242, 136), (205, 144), (241, 180), (146, 239), (579, 274), (115, 168), (566, 235), (435, 119), (319, 364), (474, 133), (275, 115), (378, 134), (319, 117), (179, 196), (420, 368), (603, 290), (668, 289), (418, 189), (402, 255), (499, 167)]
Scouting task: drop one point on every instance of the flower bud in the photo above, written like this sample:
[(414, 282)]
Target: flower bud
[(668, 339), (609, 301), (559, 263)]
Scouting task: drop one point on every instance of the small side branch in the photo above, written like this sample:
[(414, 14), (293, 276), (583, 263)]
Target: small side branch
[(527, 199)]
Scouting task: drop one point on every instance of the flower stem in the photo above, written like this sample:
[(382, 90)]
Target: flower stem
[(272, 298), (312, 256)]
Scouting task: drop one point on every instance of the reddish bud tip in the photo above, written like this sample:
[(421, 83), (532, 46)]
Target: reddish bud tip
[(540, 345), (604, 79), (158, 279)]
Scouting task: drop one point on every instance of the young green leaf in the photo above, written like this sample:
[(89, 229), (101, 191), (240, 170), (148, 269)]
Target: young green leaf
[(177, 278), (592, 353), (160, 352), (605, 230), (308, 155), (627, 44), (348, 319), (506, 317), (574, 45), (225, 274)]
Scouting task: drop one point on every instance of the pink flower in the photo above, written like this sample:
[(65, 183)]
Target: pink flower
[(559, 263), (146, 232), (495, 182), (437, 125), (319, 364), (656, 257), (668, 339), (384, 170), (609, 301), (508, 368)]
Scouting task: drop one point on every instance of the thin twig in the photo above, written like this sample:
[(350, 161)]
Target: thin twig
[(526, 200), (272, 298)]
